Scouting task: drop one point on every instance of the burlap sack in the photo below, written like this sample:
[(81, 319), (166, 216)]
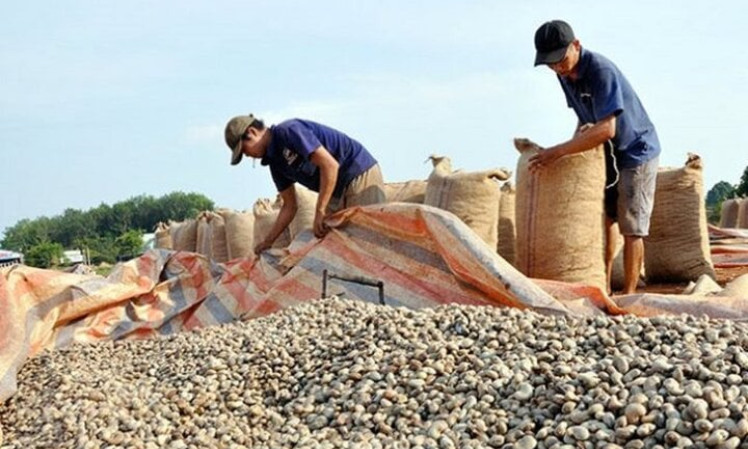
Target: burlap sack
[(729, 215), (239, 232), (306, 203), (472, 197), (204, 236), (677, 248), (405, 192), (219, 246), (184, 235), (266, 212), (163, 236), (742, 221), (507, 232), (560, 217)]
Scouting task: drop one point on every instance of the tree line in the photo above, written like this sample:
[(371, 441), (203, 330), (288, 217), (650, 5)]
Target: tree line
[(107, 233), (722, 191)]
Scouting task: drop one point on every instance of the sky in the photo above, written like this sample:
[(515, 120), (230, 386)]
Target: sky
[(101, 101)]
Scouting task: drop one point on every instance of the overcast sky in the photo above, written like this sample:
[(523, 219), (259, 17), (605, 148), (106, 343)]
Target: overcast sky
[(101, 101)]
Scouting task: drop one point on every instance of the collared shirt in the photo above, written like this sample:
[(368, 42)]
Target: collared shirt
[(600, 91), (292, 144)]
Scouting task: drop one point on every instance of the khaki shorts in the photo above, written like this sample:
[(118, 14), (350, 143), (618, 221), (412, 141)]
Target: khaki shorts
[(630, 202), (365, 189)]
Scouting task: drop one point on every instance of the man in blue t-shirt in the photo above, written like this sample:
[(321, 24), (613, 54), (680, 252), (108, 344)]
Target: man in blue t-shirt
[(318, 157), (608, 111)]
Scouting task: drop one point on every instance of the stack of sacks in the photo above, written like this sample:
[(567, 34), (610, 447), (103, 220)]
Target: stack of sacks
[(306, 203), (472, 197), (729, 216), (183, 235), (742, 221), (560, 217), (507, 230), (218, 237), (677, 248), (405, 192), (163, 236), (239, 232), (266, 212), (204, 235)]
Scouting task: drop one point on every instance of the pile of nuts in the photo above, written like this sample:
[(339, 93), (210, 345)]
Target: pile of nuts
[(336, 373)]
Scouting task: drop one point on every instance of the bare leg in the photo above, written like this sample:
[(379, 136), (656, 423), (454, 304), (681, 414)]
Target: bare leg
[(610, 250), (633, 256)]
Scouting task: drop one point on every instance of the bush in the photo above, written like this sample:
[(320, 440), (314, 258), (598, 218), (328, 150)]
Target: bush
[(44, 255)]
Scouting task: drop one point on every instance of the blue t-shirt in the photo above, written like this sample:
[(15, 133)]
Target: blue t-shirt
[(601, 90), (292, 144)]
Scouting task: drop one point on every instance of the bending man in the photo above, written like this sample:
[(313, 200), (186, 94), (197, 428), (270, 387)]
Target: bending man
[(320, 158)]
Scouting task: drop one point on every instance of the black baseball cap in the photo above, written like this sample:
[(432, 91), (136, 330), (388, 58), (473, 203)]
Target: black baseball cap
[(551, 41)]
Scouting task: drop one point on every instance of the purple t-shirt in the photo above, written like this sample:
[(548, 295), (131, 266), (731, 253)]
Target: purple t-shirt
[(291, 147)]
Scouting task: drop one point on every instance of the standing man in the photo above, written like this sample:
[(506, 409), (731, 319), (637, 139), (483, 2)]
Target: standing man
[(607, 109), (320, 158)]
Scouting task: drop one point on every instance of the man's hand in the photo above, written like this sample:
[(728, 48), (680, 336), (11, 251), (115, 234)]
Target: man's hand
[(262, 246), (320, 228), (543, 159)]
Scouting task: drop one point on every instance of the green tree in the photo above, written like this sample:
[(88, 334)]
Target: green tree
[(129, 244), (100, 249), (99, 229), (721, 191), (72, 226), (26, 234), (742, 188), (44, 255)]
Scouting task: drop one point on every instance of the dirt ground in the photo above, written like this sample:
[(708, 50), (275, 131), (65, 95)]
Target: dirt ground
[(724, 275)]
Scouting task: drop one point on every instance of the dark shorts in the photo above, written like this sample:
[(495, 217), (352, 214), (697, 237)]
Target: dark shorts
[(630, 200)]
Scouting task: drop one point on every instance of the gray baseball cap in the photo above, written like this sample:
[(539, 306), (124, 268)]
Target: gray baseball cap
[(235, 130)]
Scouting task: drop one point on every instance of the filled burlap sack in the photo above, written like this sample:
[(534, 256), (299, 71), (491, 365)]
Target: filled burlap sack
[(163, 236), (219, 246), (204, 235), (239, 232), (742, 221), (471, 196), (184, 235), (266, 212), (677, 248), (306, 203), (729, 215), (560, 217), (405, 192), (507, 232)]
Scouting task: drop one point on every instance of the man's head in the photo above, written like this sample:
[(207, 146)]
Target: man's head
[(557, 47), (242, 136)]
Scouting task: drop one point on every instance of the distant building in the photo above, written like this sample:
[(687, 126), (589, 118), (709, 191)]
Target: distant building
[(72, 257), (8, 258), (149, 241)]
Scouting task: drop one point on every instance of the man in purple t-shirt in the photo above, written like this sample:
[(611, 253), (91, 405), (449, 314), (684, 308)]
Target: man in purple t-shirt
[(608, 110), (316, 156)]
